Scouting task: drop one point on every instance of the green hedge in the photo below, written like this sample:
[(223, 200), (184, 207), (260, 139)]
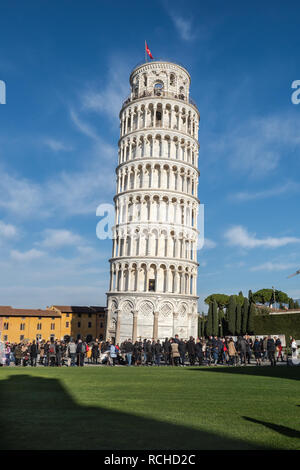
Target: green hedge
[(288, 324)]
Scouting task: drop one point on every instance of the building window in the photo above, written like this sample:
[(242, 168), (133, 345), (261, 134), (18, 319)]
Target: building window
[(38, 337), (22, 326), (67, 324), (79, 324), (67, 315), (21, 337), (52, 336), (39, 326), (5, 326), (89, 324), (5, 338), (151, 285), (101, 325), (79, 315), (52, 326), (90, 315)]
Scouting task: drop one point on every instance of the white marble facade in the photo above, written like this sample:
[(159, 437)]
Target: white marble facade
[(153, 275)]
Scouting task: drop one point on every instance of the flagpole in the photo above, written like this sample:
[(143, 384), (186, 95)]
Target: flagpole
[(145, 52)]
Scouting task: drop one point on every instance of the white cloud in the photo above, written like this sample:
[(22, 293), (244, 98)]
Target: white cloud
[(184, 26), (289, 187), (19, 195), (239, 236), (256, 146), (209, 244), (83, 127), (58, 238), (56, 145), (108, 98), (271, 266), (68, 192), (7, 230), (26, 255)]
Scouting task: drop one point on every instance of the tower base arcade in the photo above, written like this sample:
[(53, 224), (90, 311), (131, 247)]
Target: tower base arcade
[(150, 316)]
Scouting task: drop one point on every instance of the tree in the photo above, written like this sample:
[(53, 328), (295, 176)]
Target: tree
[(264, 296), (221, 316), (209, 323), (297, 304), (245, 314), (250, 297), (231, 315), (239, 299), (291, 304), (215, 317), (221, 299), (252, 312), (238, 324)]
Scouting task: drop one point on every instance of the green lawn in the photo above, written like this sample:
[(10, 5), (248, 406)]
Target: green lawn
[(150, 408)]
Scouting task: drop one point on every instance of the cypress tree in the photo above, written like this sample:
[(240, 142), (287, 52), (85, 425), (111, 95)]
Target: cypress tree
[(204, 328), (238, 324), (215, 316), (250, 297), (252, 312), (209, 323), (245, 314), (291, 304), (221, 322), (231, 315)]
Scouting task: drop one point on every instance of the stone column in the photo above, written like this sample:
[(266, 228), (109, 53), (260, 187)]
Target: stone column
[(155, 326), (107, 322), (118, 328), (134, 326), (175, 316)]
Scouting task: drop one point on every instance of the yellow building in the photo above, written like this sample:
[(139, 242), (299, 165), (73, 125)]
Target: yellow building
[(81, 321), (56, 321), (18, 324)]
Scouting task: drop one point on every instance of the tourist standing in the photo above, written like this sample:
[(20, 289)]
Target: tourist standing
[(174, 353), (33, 351), (271, 350)]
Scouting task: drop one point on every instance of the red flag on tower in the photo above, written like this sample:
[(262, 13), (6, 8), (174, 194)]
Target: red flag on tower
[(148, 50)]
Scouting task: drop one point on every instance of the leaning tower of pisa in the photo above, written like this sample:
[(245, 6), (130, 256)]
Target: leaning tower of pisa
[(153, 269)]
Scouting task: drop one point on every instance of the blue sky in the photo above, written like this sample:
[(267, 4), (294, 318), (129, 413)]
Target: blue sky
[(66, 66)]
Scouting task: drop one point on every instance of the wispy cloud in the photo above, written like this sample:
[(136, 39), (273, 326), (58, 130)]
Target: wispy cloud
[(83, 126), (209, 244), (73, 192), (26, 255), (271, 266), (56, 145), (19, 195), (288, 187), (108, 98), (60, 238), (240, 237), (184, 26), (256, 146), (7, 231)]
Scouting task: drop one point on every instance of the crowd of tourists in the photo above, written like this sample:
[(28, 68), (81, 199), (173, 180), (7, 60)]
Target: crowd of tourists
[(214, 351)]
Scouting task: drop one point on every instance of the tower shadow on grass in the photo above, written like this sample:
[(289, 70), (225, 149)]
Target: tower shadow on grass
[(39, 413), (280, 372), (285, 431)]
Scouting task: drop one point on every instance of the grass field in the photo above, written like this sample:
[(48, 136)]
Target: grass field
[(150, 408)]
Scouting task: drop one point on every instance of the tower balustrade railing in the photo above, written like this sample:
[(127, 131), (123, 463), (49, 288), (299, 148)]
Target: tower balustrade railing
[(159, 94)]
